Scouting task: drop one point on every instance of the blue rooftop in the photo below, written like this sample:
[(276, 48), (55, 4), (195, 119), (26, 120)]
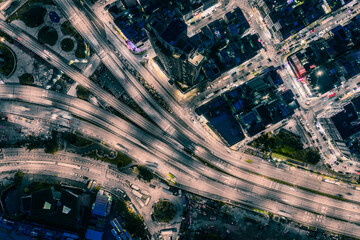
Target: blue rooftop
[(227, 127)]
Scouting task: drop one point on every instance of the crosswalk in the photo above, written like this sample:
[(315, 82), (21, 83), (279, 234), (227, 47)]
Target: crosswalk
[(316, 217)]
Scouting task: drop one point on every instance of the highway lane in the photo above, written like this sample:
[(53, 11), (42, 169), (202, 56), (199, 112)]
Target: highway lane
[(161, 117), (129, 132), (137, 136), (55, 60), (75, 167), (29, 43), (242, 186), (14, 161)]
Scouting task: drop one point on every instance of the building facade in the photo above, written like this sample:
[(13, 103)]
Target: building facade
[(177, 54)]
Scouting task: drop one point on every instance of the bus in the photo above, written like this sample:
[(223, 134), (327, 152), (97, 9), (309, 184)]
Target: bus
[(171, 175), (135, 187), (332, 95)]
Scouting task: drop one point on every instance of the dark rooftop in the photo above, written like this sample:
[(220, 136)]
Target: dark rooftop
[(344, 119), (174, 31)]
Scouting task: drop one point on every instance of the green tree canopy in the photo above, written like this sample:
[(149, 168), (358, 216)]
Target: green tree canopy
[(144, 173), (164, 211)]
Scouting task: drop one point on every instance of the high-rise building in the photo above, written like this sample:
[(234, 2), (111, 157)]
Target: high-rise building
[(177, 54), (339, 123)]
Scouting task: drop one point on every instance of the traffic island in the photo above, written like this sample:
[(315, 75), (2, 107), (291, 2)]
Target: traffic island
[(67, 44), (48, 35)]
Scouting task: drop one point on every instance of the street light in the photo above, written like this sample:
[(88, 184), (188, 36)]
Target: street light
[(319, 73)]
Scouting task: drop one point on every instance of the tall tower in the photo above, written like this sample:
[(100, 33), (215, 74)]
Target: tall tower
[(180, 58)]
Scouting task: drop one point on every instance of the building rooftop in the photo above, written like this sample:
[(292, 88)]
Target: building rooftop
[(174, 31), (100, 205), (195, 58), (93, 234), (344, 119)]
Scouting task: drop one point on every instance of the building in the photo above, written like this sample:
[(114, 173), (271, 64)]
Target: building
[(62, 208), (341, 122), (285, 17), (180, 58), (101, 205)]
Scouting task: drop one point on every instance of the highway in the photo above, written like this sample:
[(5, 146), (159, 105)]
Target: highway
[(84, 110), (263, 187), (13, 160), (61, 64), (165, 147)]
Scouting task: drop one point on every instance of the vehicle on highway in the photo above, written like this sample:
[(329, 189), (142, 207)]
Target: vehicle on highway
[(332, 95)]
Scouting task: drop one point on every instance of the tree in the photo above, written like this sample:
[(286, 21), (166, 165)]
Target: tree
[(19, 175), (312, 156), (26, 79), (134, 223), (144, 173), (164, 211), (52, 146), (82, 92)]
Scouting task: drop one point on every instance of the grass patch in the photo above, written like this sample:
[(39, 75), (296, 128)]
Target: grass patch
[(48, 35), (69, 30), (82, 93), (76, 140), (121, 159), (67, 44), (19, 14), (26, 79), (144, 173), (36, 186), (133, 222), (286, 144), (7, 66), (32, 16)]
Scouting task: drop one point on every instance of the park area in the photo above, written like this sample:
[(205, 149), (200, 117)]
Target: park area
[(68, 30), (67, 44), (288, 145), (34, 14), (48, 35)]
